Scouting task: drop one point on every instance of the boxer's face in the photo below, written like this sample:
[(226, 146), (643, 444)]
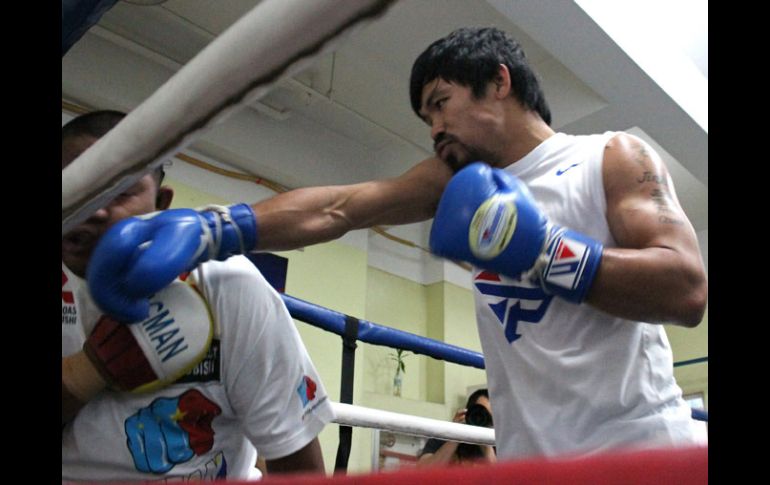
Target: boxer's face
[(77, 244), (462, 127)]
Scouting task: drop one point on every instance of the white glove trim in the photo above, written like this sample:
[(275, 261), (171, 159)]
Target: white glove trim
[(176, 336)]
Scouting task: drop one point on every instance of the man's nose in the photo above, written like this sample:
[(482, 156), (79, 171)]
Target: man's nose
[(436, 129), (100, 215)]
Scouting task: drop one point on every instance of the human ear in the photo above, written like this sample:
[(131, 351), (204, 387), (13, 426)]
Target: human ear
[(502, 82)]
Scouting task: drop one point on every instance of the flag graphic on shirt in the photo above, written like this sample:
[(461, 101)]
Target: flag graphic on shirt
[(306, 390), (170, 431)]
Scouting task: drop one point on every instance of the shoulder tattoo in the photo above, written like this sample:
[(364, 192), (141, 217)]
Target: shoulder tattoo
[(660, 193)]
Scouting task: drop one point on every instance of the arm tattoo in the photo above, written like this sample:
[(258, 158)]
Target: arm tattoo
[(660, 196), (643, 159), (651, 177), (642, 154), (652, 173), (668, 220), (661, 200), (666, 213)]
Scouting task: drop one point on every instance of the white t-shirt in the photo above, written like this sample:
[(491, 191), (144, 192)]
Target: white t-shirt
[(257, 386), (566, 378)]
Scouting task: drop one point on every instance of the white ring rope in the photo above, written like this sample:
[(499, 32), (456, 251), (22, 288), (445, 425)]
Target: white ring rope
[(276, 39), (348, 414)]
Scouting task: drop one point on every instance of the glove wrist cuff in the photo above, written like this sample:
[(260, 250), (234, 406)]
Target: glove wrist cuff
[(571, 261), (243, 217), (232, 230)]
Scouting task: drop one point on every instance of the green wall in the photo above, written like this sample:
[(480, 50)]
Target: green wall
[(400, 304), (337, 276), (688, 344)]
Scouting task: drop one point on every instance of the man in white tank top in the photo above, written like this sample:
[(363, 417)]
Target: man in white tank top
[(574, 370), (589, 368)]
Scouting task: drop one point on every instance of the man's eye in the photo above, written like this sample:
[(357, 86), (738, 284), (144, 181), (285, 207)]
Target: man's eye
[(440, 103)]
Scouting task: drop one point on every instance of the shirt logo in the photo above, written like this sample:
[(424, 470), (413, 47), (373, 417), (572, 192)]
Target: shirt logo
[(69, 312), (561, 171), (66, 296), (170, 431), (512, 301), (492, 227), (306, 390), (208, 369)]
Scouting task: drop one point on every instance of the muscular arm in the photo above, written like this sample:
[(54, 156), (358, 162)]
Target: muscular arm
[(307, 459), (307, 216), (656, 274)]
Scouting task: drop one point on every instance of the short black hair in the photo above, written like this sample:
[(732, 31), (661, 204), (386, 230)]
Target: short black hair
[(96, 124), (471, 57), (475, 397)]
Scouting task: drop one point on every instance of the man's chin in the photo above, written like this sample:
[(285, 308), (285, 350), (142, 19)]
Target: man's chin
[(456, 163)]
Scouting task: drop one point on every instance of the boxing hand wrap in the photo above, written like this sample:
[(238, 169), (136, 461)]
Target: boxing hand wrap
[(155, 352), (140, 255), (489, 218)]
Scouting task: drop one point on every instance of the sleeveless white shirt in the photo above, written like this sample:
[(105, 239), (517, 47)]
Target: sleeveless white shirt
[(566, 378)]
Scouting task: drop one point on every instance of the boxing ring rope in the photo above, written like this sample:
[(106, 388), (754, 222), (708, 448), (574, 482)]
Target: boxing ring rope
[(352, 329), (375, 334), (699, 360), (237, 68), (413, 425)]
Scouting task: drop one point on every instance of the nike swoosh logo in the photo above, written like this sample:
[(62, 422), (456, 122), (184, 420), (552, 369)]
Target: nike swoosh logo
[(561, 172)]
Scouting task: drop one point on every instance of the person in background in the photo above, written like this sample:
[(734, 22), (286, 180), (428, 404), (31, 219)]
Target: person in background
[(477, 412)]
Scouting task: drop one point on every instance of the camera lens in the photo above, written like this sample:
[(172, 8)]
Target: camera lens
[(477, 415)]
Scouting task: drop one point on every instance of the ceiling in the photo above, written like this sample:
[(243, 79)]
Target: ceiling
[(348, 117)]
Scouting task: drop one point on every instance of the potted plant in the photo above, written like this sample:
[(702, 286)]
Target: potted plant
[(400, 369)]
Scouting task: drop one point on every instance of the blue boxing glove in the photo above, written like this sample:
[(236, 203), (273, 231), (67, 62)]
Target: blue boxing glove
[(489, 218), (139, 256)]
